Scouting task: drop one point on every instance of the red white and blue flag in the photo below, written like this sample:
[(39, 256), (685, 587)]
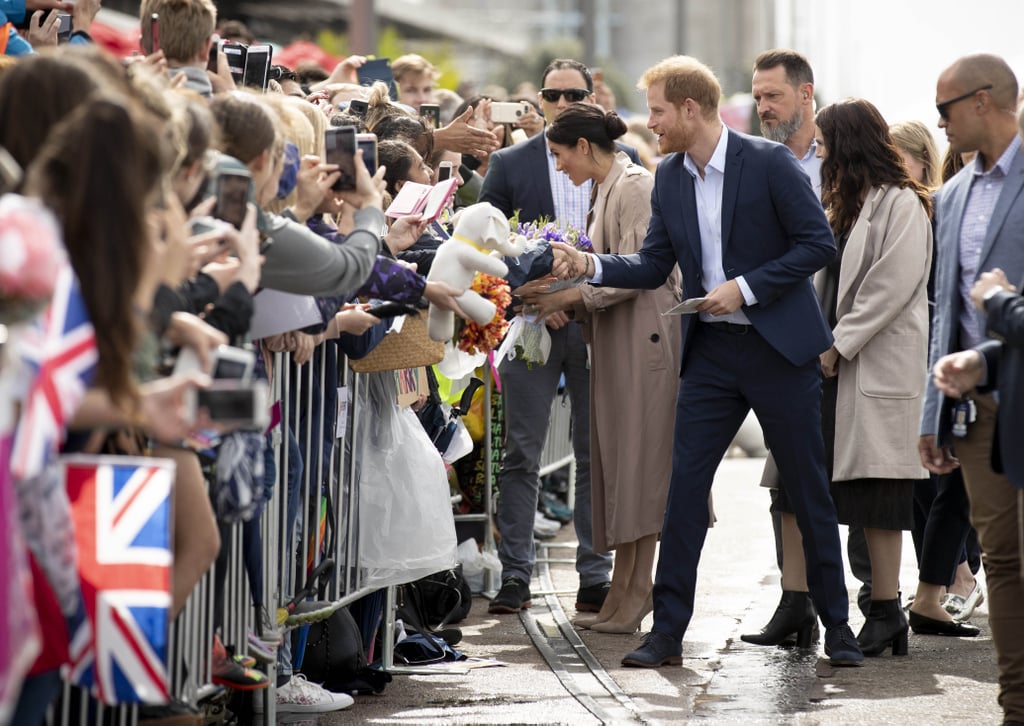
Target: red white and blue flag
[(58, 350), (122, 513)]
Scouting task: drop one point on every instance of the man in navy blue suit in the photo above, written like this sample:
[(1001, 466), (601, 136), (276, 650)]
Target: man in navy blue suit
[(740, 218)]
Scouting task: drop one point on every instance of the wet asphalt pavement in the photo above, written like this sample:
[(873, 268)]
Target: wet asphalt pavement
[(722, 680)]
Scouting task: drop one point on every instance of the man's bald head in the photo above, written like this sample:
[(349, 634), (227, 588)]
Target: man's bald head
[(982, 69)]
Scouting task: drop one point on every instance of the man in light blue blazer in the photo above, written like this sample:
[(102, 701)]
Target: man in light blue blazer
[(980, 226), (740, 218)]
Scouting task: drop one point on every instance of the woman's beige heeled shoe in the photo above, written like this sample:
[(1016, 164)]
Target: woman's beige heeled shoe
[(626, 626)]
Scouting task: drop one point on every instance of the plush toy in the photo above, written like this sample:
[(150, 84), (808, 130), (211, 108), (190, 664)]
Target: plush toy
[(480, 232)]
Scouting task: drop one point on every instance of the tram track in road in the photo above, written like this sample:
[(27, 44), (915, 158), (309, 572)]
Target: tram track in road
[(568, 657)]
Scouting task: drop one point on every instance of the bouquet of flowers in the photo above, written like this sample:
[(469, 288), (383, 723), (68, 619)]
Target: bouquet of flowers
[(475, 338), (528, 338), (544, 232)]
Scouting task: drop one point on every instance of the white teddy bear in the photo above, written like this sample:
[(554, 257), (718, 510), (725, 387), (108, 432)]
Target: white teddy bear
[(481, 233)]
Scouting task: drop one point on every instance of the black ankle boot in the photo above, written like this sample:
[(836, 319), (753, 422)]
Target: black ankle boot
[(886, 625), (794, 622)]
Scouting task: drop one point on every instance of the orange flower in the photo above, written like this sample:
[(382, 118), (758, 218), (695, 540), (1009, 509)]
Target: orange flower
[(476, 338)]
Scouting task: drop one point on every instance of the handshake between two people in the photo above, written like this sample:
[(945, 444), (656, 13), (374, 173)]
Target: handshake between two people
[(571, 263)]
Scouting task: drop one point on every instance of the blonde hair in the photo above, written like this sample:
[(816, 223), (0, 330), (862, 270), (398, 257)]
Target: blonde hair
[(185, 26), (379, 106), (684, 77), (412, 65), (317, 121), (914, 138), (292, 126)]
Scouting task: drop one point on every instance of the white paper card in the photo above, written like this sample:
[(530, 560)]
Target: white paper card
[(686, 307), (275, 312), (341, 423)]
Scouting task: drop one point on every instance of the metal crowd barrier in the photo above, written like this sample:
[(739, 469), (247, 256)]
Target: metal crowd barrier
[(285, 566), (558, 451)]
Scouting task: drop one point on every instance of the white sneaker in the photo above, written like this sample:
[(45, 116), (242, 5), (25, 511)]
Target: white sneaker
[(301, 696), (544, 527)]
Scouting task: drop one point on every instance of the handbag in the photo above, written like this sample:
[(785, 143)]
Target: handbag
[(410, 347)]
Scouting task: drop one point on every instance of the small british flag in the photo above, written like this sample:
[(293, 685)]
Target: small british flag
[(121, 510), (59, 351)]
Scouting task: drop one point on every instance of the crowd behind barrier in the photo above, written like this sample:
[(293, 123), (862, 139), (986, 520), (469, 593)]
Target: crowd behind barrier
[(336, 538)]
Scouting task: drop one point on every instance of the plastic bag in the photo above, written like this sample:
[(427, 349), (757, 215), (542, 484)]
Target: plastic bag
[(527, 339), (475, 564), (406, 527)]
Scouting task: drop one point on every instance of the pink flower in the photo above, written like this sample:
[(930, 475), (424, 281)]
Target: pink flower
[(31, 252)]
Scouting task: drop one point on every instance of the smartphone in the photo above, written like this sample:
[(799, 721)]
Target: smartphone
[(64, 27), (391, 310), (377, 69), (235, 53), (444, 171), (256, 71), (508, 113), (430, 115), (211, 61), (233, 403), (340, 149), (154, 32), (368, 143), (358, 107), (231, 363), (232, 196)]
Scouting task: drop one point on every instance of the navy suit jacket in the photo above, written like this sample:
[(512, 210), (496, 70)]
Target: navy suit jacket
[(774, 233), (517, 179), (1005, 359), (1003, 248)]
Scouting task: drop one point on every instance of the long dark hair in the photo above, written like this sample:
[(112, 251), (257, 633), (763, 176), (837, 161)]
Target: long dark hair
[(97, 171), (860, 155), (586, 121)]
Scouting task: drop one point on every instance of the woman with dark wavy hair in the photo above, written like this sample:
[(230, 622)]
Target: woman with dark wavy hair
[(875, 296)]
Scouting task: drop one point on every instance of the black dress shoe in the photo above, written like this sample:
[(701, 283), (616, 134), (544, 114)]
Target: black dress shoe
[(513, 596), (923, 625), (886, 625), (841, 647), (658, 649), (589, 599), (794, 622)]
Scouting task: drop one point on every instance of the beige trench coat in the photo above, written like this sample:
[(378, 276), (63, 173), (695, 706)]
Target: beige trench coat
[(882, 337), (634, 376)]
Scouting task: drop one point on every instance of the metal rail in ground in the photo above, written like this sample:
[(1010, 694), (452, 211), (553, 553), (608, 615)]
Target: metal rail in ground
[(579, 672)]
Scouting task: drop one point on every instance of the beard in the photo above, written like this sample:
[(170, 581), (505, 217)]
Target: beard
[(781, 131)]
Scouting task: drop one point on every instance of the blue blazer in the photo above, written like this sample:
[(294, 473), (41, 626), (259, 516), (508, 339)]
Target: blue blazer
[(774, 233), (1003, 248), (517, 179)]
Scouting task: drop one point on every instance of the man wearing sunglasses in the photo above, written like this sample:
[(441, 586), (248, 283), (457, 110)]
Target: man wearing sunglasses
[(979, 217), (523, 179)]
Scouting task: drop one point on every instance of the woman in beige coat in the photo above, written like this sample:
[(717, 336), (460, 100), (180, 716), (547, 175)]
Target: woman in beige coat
[(634, 365), (877, 366)]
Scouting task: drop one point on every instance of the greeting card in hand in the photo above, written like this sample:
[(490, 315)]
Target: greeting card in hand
[(423, 199)]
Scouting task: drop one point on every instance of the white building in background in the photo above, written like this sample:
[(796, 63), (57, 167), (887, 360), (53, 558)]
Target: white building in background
[(892, 51)]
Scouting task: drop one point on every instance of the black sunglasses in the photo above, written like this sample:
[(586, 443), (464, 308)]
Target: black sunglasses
[(943, 108), (572, 95)]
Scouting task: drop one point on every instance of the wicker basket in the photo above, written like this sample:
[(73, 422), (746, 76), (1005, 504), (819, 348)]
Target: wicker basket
[(411, 347)]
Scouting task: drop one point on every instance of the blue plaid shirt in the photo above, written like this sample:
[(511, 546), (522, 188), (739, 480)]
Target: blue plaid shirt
[(981, 201)]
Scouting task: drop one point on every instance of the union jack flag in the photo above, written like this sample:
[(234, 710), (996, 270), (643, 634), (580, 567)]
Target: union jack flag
[(59, 353), (121, 510)]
